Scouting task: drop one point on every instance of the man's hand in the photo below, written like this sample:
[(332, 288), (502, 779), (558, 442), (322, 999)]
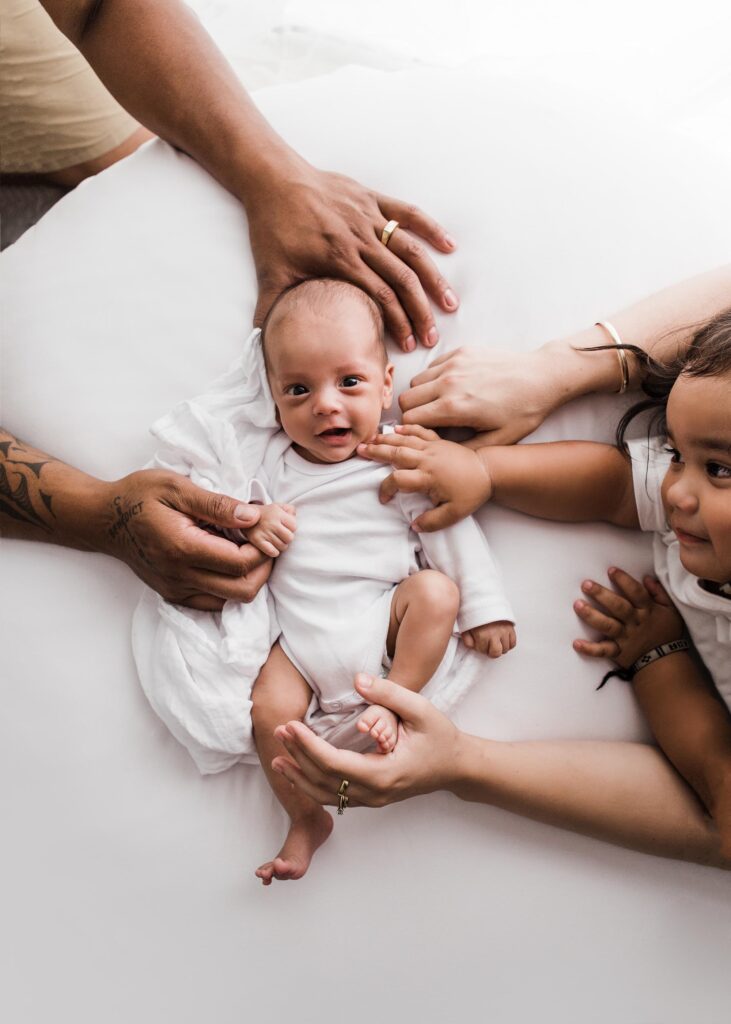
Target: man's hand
[(312, 223), (493, 639), (453, 476), (632, 621), (274, 531), (152, 520)]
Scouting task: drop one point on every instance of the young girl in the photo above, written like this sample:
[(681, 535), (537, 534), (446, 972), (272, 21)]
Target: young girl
[(676, 484)]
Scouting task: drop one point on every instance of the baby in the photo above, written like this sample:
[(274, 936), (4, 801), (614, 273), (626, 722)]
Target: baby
[(349, 593)]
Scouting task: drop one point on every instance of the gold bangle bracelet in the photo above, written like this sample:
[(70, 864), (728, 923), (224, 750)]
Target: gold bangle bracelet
[(621, 353)]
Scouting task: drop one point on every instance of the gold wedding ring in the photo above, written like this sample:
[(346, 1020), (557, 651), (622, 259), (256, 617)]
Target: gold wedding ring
[(388, 232), (343, 796)]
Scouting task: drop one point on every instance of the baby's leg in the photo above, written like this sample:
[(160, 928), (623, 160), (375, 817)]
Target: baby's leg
[(279, 695), (423, 612)]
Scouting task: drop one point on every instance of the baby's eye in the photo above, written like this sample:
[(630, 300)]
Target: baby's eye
[(719, 471), (350, 382), (295, 390), (674, 452)]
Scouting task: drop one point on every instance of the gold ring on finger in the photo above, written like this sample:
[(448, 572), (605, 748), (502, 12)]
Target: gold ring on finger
[(343, 796), (388, 231)]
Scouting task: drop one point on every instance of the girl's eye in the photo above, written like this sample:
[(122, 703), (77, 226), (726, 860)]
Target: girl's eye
[(350, 382), (719, 472), (674, 452), (296, 390)]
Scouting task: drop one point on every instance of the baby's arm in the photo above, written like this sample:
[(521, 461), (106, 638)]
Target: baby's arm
[(687, 716), (572, 481), (274, 530)]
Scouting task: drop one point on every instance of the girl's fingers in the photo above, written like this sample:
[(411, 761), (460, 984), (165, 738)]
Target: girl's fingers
[(618, 607), (597, 620), (630, 587), (412, 481), (401, 456), (657, 591), (413, 430), (597, 648)]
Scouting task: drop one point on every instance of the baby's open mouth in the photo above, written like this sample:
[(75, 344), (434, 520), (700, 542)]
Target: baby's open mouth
[(335, 432)]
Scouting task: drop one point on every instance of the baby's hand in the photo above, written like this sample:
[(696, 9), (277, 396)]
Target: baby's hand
[(641, 616), (493, 639), (274, 530)]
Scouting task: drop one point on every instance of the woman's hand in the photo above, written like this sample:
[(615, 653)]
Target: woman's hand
[(503, 395), (426, 757), (641, 616), (312, 223), (453, 476), (152, 520)]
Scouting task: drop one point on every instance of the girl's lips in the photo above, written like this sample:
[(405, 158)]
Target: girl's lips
[(688, 538)]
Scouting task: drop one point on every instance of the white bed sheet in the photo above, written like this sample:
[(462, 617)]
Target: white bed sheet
[(127, 880)]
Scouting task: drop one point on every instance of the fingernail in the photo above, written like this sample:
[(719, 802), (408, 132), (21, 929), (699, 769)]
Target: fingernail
[(450, 299), (416, 528), (611, 571), (579, 604), (587, 585), (410, 343), (448, 240), (242, 512), (432, 336), (364, 682)]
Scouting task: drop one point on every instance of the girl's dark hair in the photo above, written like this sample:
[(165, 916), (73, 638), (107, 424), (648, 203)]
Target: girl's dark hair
[(707, 355)]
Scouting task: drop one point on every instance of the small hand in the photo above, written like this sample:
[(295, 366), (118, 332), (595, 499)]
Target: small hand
[(454, 477), (313, 223), (274, 531), (493, 639), (633, 620), (502, 395), (151, 520)]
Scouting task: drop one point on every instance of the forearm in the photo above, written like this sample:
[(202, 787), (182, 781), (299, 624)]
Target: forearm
[(182, 88), (622, 793), (689, 721), (569, 481), (660, 324), (42, 498)]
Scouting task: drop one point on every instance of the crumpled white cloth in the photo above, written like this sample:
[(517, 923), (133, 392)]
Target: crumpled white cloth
[(198, 668)]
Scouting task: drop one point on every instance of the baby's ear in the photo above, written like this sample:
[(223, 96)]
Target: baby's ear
[(388, 386)]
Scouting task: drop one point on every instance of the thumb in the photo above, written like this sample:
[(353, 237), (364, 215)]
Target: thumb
[(411, 707), (387, 490), (657, 591), (436, 518), (218, 509)]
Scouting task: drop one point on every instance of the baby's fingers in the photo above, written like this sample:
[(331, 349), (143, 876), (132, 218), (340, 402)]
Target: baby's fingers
[(597, 648), (657, 591)]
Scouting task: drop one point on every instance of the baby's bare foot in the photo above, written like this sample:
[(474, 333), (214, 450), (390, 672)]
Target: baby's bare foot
[(382, 724), (304, 837)]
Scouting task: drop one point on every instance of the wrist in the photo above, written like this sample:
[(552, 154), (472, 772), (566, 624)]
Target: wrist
[(463, 772), (572, 372)]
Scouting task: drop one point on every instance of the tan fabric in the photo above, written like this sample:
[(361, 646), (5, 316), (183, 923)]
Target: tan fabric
[(54, 111)]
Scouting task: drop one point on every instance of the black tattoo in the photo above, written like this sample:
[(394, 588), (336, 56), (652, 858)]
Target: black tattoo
[(121, 528), (16, 499)]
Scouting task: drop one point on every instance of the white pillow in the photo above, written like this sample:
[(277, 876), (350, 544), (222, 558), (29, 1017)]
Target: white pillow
[(128, 296)]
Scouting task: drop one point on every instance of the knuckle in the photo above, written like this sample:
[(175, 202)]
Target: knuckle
[(413, 211), (385, 295), (415, 249), (407, 279)]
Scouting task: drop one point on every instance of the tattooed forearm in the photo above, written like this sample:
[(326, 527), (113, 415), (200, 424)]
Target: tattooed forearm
[(122, 533), (22, 496)]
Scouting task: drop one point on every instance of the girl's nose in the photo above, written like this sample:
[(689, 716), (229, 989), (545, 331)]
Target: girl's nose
[(682, 496)]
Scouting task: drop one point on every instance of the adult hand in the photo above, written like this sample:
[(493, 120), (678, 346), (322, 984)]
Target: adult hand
[(313, 223), (502, 395), (452, 476), (425, 759), (150, 520)]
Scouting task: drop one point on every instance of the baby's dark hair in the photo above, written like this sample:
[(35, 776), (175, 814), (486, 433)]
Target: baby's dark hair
[(707, 355), (319, 293)]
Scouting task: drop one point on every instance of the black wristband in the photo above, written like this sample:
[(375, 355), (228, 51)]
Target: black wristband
[(661, 651)]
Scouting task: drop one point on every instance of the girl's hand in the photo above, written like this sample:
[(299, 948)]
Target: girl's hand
[(454, 477), (274, 530), (492, 639), (641, 616)]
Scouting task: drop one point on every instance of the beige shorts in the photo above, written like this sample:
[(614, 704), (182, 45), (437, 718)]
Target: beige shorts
[(54, 111)]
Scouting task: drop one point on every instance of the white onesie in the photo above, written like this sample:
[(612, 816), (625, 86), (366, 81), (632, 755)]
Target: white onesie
[(333, 586), (707, 615)]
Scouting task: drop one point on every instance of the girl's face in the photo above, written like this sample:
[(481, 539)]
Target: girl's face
[(696, 491)]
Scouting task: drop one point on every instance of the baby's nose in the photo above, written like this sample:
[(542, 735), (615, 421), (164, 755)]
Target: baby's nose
[(327, 401)]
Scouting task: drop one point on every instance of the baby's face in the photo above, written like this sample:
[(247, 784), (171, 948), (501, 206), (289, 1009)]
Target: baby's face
[(696, 490), (328, 378)]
